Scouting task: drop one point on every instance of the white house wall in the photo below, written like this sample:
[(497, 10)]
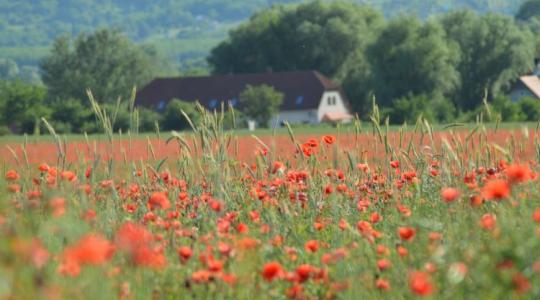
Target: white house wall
[(325, 107), (295, 117)]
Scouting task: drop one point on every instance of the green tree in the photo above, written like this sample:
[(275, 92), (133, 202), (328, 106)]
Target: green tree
[(312, 36), (173, 119), (412, 58), (8, 69), (105, 62), (528, 9), (493, 51), (22, 105), (530, 108), (507, 110), (260, 103)]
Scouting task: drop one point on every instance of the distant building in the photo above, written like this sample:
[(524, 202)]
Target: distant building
[(527, 86), (309, 97)]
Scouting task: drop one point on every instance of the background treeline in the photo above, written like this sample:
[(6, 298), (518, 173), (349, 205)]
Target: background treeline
[(442, 67), (181, 30)]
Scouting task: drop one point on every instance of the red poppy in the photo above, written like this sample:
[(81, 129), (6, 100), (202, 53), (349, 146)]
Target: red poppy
[(536, 215), (159, 200), (12, 175), (488, 221), (303, 272), (383, 264), (450, 194), (420, 283), (329, 139), (518, 173), (272, 270), (184, 253), (406, 233), (382, 284), (312, 246), (496, 189)]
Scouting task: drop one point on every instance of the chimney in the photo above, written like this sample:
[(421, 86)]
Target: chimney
[(537, 67)]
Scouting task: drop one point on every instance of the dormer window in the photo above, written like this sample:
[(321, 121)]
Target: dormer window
[(161, 105), (213, 103), (331, 100), (299, 100)]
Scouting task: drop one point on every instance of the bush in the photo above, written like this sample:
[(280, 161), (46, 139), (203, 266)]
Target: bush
[(409, 108), (147, 119), (530, 108), (173, 118), (70, 115), (507, 110), (4, 130)]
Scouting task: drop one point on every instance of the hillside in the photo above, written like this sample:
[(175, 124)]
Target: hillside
[(181, 30)]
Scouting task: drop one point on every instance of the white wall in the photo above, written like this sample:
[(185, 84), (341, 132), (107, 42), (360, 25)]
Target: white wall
[(295, 117), (325, 106)]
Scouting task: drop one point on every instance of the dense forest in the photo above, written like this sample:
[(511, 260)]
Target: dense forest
[(182, 31)]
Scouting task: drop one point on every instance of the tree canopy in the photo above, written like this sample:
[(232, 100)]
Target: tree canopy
[(260, 103), (316, 35), (105, 62), (493, 51)]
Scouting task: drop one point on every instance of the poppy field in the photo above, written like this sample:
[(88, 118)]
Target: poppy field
[(368, 214)]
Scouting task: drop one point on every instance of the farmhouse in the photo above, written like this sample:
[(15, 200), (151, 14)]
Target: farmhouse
[(309, 97), (526, 86)]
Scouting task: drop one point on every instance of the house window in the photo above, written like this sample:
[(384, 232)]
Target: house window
[(299, 100), (161, 105), (213, 103), (233, 102), (331, 101)]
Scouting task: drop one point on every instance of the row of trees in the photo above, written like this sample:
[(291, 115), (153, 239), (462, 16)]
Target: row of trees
[(441, 68), (108, 64), (452, 60)]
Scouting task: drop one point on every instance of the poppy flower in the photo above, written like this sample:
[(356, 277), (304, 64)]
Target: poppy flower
[(303, 272), (382, 284), (329, 139), (420, 283), (518, 173), (496, 189), (488, 221), (184, 253), (12, 175), (312, 246), (159, 200), (521, 283), (43, 167), (449, 194), (536, 215), (92, 249), (272, 270), (383, 264), (406, 233)]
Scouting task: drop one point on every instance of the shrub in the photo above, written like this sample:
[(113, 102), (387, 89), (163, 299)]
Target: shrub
[(507, 110), (147, 119), (173, 118), (409, 108), (530, 108)]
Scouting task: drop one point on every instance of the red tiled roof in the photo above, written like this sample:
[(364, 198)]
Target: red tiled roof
[(302, 89)]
